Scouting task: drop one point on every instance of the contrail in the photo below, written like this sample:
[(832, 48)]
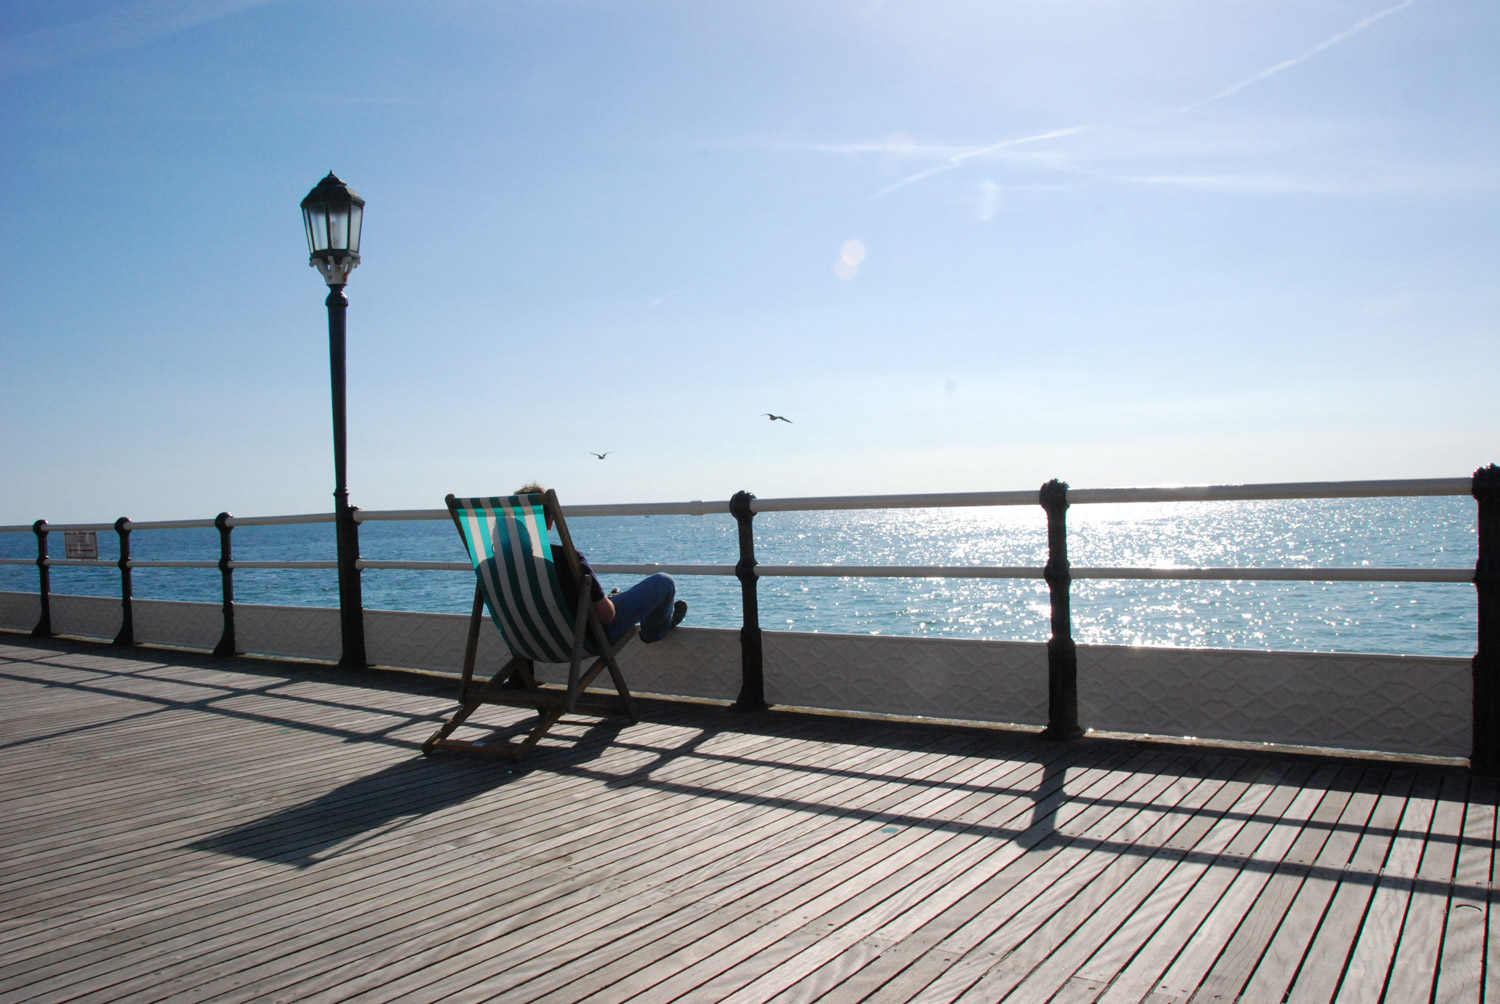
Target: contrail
[(1328, 43), (959, 158), (1271, 71)]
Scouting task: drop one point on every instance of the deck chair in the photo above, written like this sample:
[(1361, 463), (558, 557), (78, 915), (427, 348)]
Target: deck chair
[(516, 568)]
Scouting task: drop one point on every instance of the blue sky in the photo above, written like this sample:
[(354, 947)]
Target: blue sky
[(962, 245)]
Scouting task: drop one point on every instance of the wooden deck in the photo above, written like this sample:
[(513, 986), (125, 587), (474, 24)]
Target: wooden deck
[(177, 828)]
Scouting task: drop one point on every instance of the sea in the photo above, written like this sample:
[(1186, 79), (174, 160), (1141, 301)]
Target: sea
[(1380, 617)]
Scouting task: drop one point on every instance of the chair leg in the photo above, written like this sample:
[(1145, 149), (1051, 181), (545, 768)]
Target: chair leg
[(470, 700)]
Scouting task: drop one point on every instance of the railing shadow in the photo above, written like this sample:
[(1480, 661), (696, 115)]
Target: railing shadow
[(348, 817)]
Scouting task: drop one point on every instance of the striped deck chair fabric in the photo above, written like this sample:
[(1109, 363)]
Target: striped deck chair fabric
[(516, 567), (512, 556)]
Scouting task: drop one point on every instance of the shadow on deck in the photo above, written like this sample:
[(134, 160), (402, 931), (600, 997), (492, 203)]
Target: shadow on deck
[(184, 828)]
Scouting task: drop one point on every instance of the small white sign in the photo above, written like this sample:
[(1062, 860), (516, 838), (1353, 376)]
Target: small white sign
[(81, 544)]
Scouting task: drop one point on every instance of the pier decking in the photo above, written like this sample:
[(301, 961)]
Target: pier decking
[(183, 829)]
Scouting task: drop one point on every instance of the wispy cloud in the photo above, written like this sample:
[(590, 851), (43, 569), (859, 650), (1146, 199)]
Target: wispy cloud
[(1287, 64), (957, 159), (953, 160), (110, 30)]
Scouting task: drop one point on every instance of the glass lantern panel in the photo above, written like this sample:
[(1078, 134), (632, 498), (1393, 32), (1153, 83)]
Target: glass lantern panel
[(356, 222), (316, 221), (338, 228)]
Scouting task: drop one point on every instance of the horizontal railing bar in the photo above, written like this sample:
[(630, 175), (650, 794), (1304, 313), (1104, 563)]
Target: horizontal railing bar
[(280, 564), (417, 566), (606, 569), (694, 508), (903, 571), (1283, 574), (18, 561), (84, 527), (371, 515), (78, 563), (1287, 490), (164, 524), (312, 517), (171, 563), (926, 501)]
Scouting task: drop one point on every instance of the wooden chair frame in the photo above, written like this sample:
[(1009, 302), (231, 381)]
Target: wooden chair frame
[(516, 684)]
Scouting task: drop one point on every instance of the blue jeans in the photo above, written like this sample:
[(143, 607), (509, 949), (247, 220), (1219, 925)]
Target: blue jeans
[(648, 603)]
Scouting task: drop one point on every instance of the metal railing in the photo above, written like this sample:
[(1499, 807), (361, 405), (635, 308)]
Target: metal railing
[(1054, 497)]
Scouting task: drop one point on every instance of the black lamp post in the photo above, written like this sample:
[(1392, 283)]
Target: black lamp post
[(333, 214)]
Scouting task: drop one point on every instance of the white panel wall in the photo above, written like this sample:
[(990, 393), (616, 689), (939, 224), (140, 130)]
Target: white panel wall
[(1380, 702), (986, 681), (86, 616), (184, 625), (1393, 703), (19, 611)]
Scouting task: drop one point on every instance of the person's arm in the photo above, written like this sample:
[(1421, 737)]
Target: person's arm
[(604, 610)]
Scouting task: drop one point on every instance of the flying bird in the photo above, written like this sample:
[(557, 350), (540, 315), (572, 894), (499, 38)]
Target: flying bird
[(601, 456), (777, 418)]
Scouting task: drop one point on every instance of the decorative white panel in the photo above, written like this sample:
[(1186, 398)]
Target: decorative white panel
[(430, 641), (173, 622), (19, 611), (86, 616), (1374, 702), (688, 662), (987, 681), (295, 632)]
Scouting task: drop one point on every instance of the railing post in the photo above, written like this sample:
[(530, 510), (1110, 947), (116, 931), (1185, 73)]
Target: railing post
[(226, 648), (127, 592), (1484, 756), (1062, 654), (43, 627), (752, 676)]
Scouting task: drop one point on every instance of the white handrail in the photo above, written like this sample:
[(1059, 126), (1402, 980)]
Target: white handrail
[(1288, 490), (312, 517), (167, 524)]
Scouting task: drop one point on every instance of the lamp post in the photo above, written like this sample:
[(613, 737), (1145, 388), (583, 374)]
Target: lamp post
[(333, 214)]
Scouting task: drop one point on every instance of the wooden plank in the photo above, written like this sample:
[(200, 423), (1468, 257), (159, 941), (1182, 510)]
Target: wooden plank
[(1321, 970), (274, 837), (759, 899), (1225, 915), (905, 938), (712, 950), (1467, 953), (1370, 964), (763, 916), (827, 960), (1195, 884), (1281, 958), (547, 897), (1413, 976), (233, 944), (1243, 954)]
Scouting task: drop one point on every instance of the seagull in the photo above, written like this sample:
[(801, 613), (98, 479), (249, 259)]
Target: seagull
[(601, 456), (777, 418)]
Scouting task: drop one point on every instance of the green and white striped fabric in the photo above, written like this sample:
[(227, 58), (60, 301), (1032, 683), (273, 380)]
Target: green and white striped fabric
[(512, 555)]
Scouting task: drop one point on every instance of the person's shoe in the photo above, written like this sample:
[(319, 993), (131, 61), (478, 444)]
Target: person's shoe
[(679, 611)]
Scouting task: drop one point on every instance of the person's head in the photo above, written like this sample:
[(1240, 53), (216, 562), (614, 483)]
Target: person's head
[(532, 488)]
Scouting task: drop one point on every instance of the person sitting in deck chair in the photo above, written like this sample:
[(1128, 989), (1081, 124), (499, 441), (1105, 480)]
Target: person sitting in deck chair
[(651, 603)]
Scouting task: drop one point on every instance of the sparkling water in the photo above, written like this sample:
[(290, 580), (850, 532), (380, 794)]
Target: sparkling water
[(1409, 618)]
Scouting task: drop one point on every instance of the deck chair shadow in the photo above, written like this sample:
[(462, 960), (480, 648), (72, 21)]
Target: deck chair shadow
[(517, 570)]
